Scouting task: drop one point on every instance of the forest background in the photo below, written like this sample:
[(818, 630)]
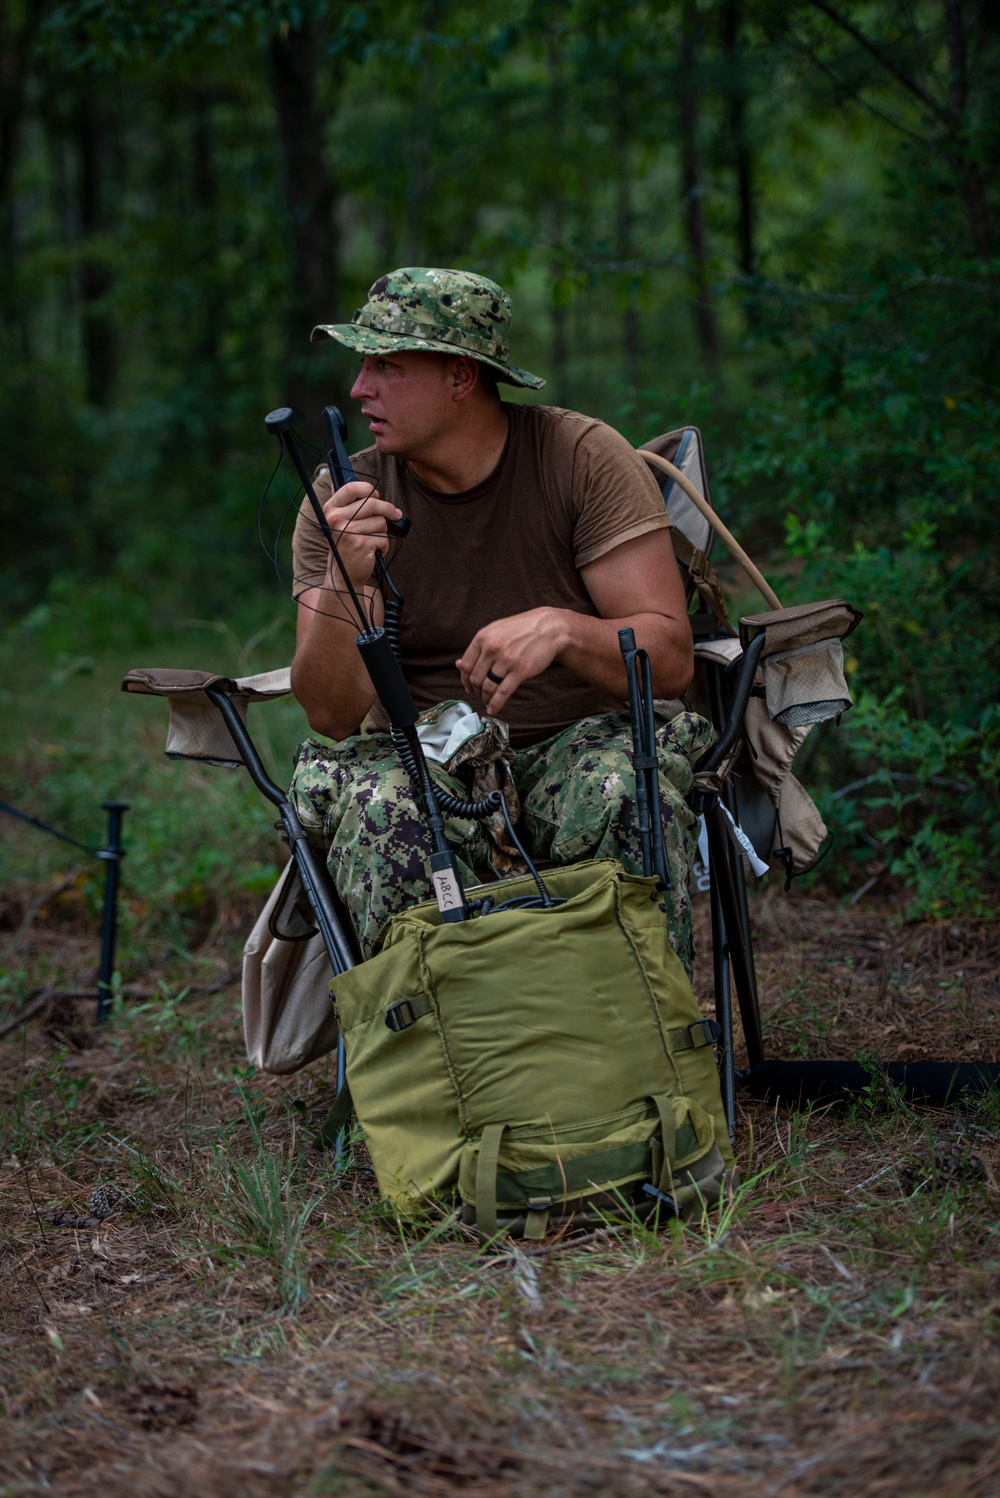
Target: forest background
[(775, 220)]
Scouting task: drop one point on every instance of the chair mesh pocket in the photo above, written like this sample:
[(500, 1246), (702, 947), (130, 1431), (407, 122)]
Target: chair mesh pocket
[(806, 685)]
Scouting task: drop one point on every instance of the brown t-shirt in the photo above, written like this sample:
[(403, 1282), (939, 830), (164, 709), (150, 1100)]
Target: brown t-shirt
[(567, 489)]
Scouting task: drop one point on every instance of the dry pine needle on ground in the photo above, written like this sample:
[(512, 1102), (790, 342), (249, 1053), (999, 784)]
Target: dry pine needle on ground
[(244, 1320)]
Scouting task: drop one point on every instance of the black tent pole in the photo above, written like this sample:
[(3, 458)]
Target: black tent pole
[(112, 856)]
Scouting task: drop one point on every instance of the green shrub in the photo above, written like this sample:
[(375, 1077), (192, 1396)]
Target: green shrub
[(922, 804)]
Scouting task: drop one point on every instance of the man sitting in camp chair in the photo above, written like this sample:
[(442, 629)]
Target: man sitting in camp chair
[(536, 535)]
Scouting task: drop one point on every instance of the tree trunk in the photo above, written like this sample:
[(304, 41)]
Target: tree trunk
[(625, 239), (694, 221), (99, 334), (212, 301), (420, 165), (732, 26), (558, 374), (15, 51), (310, 195), (973, 190), (558, 308)]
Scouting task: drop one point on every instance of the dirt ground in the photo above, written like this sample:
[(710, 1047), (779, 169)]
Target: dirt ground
[(248, 1320)]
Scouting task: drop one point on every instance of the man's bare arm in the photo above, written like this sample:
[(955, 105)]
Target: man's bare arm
[(328, 676), (637, 584)]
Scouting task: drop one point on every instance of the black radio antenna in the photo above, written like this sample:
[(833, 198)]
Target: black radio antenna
[(380, 662)]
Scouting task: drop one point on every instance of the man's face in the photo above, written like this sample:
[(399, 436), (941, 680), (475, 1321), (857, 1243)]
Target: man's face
[(408, 399)]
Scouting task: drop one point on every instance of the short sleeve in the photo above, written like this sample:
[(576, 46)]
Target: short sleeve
[(310, 548), (615, 496), (310, 553)]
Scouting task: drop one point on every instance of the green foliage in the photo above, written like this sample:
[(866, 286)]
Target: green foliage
[(880, 459), (197, 838), (923, 630), (923, 666), (50, 460), (832, 326), (263, 1203), (52, 1112), (927, 806)]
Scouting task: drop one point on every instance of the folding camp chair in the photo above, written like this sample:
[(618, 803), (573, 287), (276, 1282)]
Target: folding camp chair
[(765, 685), (729, 793), (755, 812)]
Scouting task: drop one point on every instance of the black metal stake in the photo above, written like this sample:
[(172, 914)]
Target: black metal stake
[(112, 855)]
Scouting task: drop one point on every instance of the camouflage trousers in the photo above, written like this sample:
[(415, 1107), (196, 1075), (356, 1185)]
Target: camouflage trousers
[(577, 794)]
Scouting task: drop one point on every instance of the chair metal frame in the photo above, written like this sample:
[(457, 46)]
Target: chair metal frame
[(729, 689)]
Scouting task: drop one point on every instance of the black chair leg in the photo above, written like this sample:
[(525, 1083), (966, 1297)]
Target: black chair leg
[(335, 927), (728, 882), (723, 1003), (749, 1001), (732, 952)]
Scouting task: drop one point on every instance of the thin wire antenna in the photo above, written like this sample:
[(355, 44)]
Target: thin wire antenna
[(283, 573), (280, 424), (286, 576), (341, 471), (272, 556)]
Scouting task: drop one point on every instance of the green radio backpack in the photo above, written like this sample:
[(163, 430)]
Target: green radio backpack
[(536, 1066)]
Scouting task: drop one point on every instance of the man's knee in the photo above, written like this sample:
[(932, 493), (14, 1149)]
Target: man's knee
[(598, 782), (360, 780)]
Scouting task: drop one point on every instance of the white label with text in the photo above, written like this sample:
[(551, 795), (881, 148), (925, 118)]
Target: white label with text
[(449, 896)]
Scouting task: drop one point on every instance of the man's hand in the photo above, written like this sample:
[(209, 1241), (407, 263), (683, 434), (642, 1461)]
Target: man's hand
[(328, 675), (357, 518), (514, 649), (637, 584)]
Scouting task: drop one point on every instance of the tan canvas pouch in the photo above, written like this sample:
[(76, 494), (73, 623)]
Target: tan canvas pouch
[(802, 667), (803, 624), (288, 1019)]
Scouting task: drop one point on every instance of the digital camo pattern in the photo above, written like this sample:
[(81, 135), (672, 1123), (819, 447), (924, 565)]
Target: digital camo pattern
[(577, 795), (445, 311)]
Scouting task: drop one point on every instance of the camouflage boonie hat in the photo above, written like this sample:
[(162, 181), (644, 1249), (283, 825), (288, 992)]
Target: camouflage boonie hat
[(444, 311)]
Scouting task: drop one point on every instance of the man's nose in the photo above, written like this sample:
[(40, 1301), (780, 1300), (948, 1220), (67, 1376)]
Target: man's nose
[(361, 389)]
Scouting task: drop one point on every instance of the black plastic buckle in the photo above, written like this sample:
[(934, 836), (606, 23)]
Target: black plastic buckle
[(661, 1196), (711, 1032), (400, 1016)]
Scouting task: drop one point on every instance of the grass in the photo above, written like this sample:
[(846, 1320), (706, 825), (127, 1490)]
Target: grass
[(199, 841), (256, 1323)]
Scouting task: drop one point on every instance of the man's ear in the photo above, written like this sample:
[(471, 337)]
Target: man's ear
[(463, 376)]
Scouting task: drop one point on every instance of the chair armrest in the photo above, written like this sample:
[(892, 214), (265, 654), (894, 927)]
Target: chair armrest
[(196, 730), (804, 624)]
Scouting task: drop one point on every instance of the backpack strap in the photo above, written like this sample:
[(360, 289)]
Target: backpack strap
[(668, 1137), (326, 1135), (537, 1215), (486, 1180), (692, 1037)]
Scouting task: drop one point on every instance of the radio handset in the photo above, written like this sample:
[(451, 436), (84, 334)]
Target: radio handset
[(334, 433)]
